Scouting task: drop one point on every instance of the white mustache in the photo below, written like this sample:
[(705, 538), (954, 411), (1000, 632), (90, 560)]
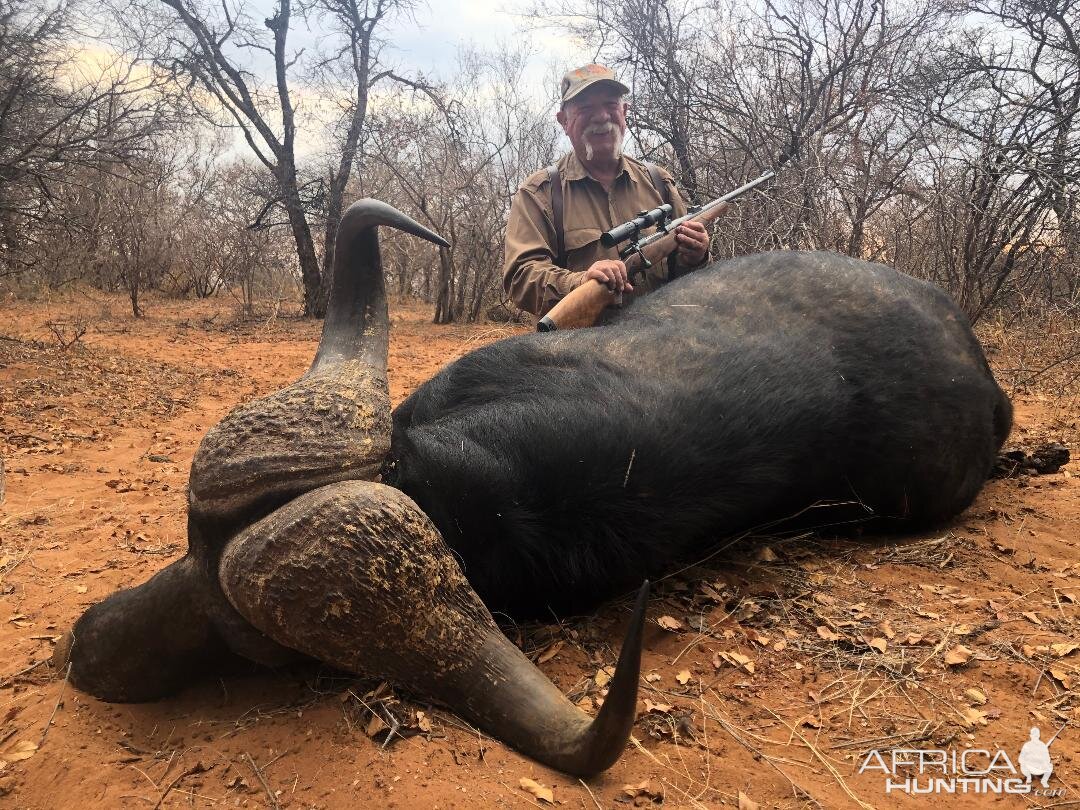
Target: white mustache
[(602, 129)]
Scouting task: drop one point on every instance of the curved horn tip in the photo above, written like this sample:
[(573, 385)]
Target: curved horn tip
[(368, 212), (611, 729), (630, 654)]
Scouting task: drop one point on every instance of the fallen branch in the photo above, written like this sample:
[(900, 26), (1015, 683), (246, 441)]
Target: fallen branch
[(262, 780), (56, 706), (11, 678), (198, 767)]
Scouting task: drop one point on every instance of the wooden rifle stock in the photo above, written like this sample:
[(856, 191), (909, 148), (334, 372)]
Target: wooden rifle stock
[(582, 306)]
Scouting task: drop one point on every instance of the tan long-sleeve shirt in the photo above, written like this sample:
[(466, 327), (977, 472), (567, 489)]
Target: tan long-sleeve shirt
[(530, 276)]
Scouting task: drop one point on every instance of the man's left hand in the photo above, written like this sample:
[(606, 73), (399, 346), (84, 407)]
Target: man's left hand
[(693, 243)]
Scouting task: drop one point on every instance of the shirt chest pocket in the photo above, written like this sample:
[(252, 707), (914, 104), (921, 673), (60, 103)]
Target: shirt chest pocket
[(582, 247)]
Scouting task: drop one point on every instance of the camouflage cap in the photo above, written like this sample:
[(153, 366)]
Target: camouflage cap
[(581, 78)]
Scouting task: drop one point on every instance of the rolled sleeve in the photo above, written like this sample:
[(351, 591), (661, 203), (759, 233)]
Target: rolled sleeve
[(530, 276)]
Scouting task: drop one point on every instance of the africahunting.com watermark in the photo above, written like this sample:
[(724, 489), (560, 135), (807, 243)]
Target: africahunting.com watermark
[(934, 771)]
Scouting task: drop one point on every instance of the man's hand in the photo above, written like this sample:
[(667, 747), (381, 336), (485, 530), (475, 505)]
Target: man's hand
[(693, 243), (610, 272)]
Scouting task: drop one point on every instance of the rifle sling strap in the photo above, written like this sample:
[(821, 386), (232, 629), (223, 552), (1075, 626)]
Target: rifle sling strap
[(557, 214), (555, 181), (659, 184)]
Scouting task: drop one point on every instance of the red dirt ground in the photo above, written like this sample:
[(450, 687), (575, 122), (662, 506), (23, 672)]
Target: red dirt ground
[(770, 671)]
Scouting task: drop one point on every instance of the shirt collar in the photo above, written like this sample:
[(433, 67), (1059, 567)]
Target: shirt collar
[(575, 170)]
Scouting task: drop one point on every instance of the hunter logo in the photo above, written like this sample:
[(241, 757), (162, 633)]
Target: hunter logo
[(931, 771)]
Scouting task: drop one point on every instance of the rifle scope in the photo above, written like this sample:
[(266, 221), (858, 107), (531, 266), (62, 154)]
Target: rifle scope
[(632, 228)]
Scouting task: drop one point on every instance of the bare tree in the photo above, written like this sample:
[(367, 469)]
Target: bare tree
[(60, 118), (220, 52), (456, 165)]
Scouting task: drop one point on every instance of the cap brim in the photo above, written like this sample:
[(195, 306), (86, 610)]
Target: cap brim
[(592, 83)]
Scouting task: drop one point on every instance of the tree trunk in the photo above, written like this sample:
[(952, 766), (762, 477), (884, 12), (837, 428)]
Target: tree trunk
[(305, 251), (444, 310)]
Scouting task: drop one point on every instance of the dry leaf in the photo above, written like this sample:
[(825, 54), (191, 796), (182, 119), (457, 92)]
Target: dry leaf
[(544, 794), (710, 593), (669, 623), (766, 554), (423, 722), (746, 803), (683, 677), (1068, 596), (756, 637), (974, 717), (735, 659), (744, 661), (80, 589), (644, 790), (1064, 648), (24, 749), (551, 651), (659, 708), (879, 644), (603, 676), (810, 721), (1066, 678), (913, 638), (976, 696), (1031, 617), (375, 726), (886, 628), (780, 646), (653, 677), (237, 783), (827, 634), (958, 656)]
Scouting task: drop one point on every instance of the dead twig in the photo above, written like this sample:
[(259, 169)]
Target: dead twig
[(823, 760), (56, 707), (10, 679), (262, 780), (591, 796), (198, 767)]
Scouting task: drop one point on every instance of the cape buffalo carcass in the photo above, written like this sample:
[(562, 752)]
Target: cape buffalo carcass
[(546, 470)]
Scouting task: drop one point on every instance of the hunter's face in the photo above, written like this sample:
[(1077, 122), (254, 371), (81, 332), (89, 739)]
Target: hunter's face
[(595, 121)]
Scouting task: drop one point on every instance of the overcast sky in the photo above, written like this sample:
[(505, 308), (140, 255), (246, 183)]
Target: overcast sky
[(431, 42), (428, 42)]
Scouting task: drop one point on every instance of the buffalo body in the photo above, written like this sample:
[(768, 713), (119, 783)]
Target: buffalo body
[(566, 467)]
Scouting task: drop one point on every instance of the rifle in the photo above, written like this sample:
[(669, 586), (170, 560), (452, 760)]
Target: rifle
[(1051, 742), (583, 306)]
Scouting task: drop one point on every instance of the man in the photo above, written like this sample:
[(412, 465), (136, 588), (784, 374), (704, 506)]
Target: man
[(599, 189), (1035, 759)]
